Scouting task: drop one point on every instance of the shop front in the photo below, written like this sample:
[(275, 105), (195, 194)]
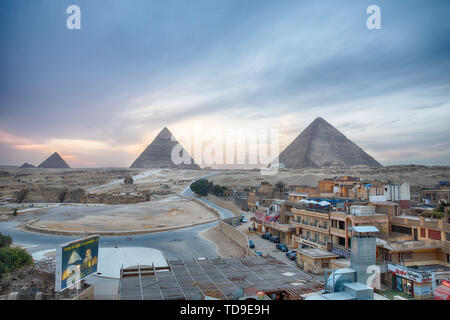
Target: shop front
[(411, 282), (442, 292)]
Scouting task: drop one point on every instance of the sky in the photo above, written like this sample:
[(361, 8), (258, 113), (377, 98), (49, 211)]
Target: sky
[(100, 94)]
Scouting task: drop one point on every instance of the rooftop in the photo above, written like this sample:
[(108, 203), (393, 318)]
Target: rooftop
[(406, 245), (317, 253), (219, 278)]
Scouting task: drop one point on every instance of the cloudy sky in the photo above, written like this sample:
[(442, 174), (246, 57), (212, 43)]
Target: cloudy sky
[(99, 95)]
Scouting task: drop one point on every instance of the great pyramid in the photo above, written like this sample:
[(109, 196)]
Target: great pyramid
[(322, 145), (158, 154), (54, 161)]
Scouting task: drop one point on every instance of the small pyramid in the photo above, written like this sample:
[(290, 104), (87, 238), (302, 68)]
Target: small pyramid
[(158, 154), (54, 161), (322, 145), (27, 165)]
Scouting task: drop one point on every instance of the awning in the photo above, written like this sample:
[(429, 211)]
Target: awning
[(442, 293)]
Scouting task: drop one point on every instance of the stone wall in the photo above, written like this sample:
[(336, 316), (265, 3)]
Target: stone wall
[(237, 236)]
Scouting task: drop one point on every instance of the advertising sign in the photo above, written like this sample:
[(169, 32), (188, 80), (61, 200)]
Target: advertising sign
[(408, 273), (75, 261)]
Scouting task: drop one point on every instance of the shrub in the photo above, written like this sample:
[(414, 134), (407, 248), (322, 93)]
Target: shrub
[(12, 259), (5, 241)]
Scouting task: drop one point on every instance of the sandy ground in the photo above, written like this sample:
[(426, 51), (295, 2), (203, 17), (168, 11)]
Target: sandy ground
[(154, 179), (174, 211), (225, 247)]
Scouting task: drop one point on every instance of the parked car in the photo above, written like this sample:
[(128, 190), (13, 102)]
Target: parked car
[(292, 255), (266, 236), (275, 239), (244, 219), (282, 247), (290, 252), (251, 244), (259, 253)]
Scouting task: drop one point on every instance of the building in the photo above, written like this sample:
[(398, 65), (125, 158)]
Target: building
[(315, 260), (420, 261), (433, 197), (399, 193), (312, 223), (353, 283)]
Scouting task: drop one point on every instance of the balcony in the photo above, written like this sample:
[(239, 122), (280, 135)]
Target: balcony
[(299, 208), (338, 231)]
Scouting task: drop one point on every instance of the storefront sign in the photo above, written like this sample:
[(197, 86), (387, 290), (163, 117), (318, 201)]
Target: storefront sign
[(409, 274)]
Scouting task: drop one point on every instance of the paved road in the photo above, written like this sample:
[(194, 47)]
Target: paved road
[(185, 243)]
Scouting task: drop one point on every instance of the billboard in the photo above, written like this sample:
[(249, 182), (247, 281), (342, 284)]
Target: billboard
[(75, 260)]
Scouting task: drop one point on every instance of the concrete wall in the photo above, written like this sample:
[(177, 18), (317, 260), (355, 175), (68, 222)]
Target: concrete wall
[(225, 204), (237, 236)]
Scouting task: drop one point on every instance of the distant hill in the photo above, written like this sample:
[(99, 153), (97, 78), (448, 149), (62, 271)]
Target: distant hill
[(54, 161), (158, 154), (322, 145)]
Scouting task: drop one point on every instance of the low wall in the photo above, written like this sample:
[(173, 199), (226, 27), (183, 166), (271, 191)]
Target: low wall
[(237, 236), (29, 226), (225, 204)]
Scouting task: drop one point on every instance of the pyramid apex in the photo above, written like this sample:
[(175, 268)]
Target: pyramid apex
[(54, 161)]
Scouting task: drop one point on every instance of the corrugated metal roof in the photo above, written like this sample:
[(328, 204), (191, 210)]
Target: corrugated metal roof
[(219, 278)]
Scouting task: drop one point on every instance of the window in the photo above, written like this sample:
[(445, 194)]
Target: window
[(325, 265), (342, 225), (405, 256), (401, 229), (447, 236), (423, 233), (433, 234)]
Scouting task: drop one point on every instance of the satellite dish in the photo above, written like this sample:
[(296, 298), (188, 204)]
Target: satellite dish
[(238, 293)]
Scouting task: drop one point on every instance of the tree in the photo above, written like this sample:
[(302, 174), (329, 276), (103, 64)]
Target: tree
[(201, 187), (280, 186)]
